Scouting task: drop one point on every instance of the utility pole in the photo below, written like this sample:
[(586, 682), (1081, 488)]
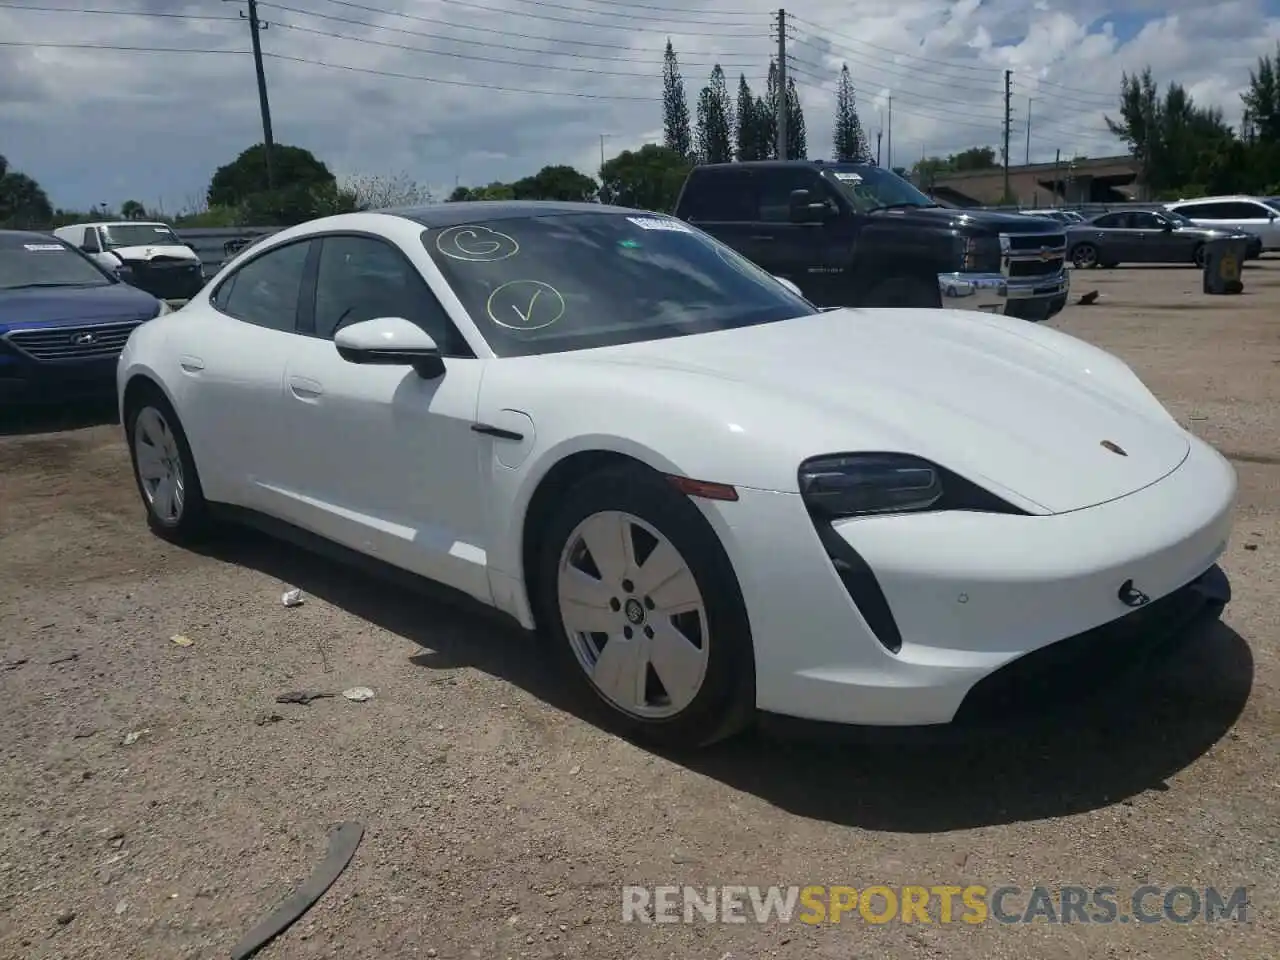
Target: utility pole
[(602, 139), (879, 134), (780, 107), (256, 26), (1057, 164), (1028, 160), (889, 146), (1008, 109)]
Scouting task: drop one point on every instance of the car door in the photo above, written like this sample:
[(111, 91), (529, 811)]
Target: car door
[(91, 244), (803, 253), (382, 460), (1159, 241), (231, 369), (720, 201), (1110, 235), (1254, 217)]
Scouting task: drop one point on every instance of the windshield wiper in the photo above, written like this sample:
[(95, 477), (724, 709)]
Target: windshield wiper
[(901, 204), (46, 283)]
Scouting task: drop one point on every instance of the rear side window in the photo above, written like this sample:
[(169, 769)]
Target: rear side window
[(1242, 210), (1110, 220), (1205, 211), (722, 195), (89, 243), (265, 290)]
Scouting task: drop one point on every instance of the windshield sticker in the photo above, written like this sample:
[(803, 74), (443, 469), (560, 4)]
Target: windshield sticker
[(525, 305), (44, 246), (476, 244), (848, 177), (629, 244), (660, 223)]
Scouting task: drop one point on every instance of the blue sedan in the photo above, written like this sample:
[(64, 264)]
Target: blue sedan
[(63, 319)]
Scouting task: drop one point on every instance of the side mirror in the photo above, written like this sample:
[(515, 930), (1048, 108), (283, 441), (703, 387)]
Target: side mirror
[(1167, 227), (789, 285), (390, 341), (806, 209)]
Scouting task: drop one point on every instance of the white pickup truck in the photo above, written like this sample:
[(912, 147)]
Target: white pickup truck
[(152, 256)]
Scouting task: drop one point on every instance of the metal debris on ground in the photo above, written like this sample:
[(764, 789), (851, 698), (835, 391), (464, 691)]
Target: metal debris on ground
[(69, 658), (343, 840), (134, 736), (303, 697), (358, 694), (267, 716), (181, 641), (292, 598), (1088, 299)]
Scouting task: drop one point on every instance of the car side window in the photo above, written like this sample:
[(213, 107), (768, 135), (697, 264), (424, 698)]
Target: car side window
[(265, 290), (90, 241), (719, 196), (1110, 220), (1204, 211), (775, 191), (1141, 220), (362, 278), (1243, 210)]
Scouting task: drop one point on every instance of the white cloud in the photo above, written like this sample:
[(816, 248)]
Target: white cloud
[(107, 125)]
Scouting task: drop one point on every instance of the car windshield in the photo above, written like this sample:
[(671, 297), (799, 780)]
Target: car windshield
[(874, 188), (27, 262), (572, 281), (139, 235), (1273, 203), (1181, 219)]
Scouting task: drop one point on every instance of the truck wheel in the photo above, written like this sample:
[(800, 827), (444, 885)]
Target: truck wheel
[(1197, 256), (904, 292)]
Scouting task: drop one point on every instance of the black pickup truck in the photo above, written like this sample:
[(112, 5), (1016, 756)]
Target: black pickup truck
[(858, 235)]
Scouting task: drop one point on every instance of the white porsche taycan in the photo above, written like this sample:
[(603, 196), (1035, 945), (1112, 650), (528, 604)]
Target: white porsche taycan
[(714, 499)]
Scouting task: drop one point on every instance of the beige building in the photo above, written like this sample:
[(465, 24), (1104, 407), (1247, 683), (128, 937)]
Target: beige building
[(1100, 180)]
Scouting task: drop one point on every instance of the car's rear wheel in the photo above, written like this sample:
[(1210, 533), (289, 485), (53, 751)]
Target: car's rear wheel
[(641, 602), (1084, 256), (1198, 255), (164, 470)]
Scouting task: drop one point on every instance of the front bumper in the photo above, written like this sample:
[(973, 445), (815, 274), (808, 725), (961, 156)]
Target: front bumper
[(994, 292), (41, 363), (968, 594)]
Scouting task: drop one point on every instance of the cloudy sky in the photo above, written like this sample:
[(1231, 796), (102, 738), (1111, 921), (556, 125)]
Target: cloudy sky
[(470, 91)]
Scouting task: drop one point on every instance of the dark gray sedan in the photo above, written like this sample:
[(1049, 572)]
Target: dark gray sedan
[(1143, 236)]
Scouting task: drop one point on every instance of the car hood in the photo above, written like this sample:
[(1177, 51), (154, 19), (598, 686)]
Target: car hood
[(155, 252), (60, 306), (1011, 407), (983, 221)]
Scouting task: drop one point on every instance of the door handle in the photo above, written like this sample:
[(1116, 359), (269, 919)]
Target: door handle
[(305, 389), (191, 364)]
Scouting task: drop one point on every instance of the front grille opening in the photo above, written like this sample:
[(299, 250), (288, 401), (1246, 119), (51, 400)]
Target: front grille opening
[(52, 344), (861, 585)]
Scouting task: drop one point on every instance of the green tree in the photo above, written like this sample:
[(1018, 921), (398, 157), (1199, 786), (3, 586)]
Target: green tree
[(747, 140), (1262, 100), (850, 141), (494, 191), (246, 175), (559, 182), (675, 107), (381, 193), (768, 112), (797, 147), (647, 179), (715, 120), (974, 158), (133, 210), (23, 203)]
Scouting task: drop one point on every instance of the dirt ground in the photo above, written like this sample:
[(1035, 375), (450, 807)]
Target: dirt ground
[(156, 802)]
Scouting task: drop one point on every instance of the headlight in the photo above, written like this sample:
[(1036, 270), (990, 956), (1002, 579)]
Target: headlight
[(864, 484), (980, 254)]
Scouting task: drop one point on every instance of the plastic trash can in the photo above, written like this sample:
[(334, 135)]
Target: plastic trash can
[(1223, 265)]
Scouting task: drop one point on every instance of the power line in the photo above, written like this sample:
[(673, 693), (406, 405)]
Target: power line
[(482, 44), (679, 16), (32, 8)]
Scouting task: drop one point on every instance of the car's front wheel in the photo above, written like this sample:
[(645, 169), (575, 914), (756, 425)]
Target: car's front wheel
[(164, 469), (1085, 256), (639, 598)]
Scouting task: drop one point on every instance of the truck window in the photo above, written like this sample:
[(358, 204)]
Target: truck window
[(775, 191), (723, 195), (89, 244)]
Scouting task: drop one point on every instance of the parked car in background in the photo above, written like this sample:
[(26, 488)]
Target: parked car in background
[(154, 258), (858, 235), (63, 319), (1062, 216), (1250, 214), (1143, 236)]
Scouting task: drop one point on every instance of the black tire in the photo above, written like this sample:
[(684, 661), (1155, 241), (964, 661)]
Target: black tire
[(1198, 255), (192, 522), (1084, 256), (904, 292), (725, 701)]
